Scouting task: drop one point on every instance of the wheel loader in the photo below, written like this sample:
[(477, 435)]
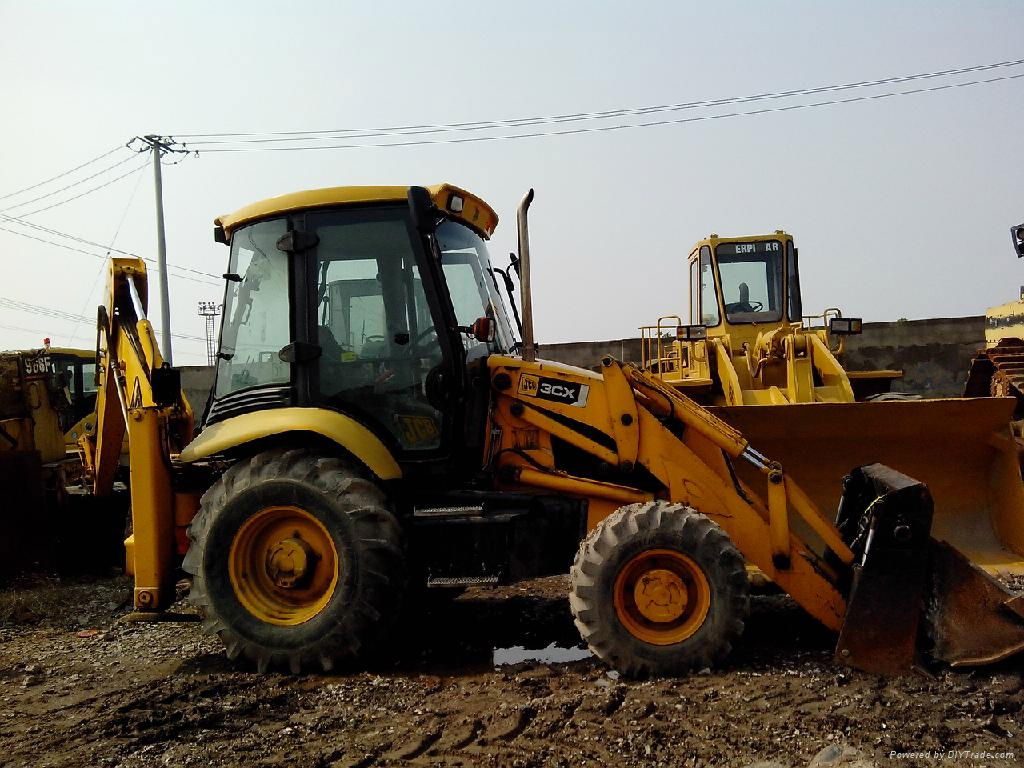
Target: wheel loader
[(378, 426), (757, 362), (998, 369), (46, 403), (747, 341)]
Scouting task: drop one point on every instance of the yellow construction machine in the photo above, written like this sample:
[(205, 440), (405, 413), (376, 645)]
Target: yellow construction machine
[(998, 369), (376, 427), (747, 341), (778, 377), (46, 401)]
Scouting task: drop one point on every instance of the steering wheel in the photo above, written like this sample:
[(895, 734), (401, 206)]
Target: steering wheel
[(415, 343), (744, 306)]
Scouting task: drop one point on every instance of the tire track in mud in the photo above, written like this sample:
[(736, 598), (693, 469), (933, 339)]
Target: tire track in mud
[(142, 696)]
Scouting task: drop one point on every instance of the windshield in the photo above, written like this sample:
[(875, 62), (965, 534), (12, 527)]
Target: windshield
[(473, 288), (256, 323), (751, 278)]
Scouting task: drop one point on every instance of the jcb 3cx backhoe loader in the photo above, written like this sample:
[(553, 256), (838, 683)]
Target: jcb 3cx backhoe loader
[(750, 354), (372, 430)]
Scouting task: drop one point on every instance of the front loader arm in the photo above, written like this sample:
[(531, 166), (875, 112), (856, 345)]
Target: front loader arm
[(632, 422)]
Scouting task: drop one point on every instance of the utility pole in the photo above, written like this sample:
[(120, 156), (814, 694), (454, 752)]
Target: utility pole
[(159, 145)]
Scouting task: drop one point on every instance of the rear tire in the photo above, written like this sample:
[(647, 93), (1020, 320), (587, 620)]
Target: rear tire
[(297, 561), (659, 589)]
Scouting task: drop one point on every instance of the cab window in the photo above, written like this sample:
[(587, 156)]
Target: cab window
[(257, 320), (751, 279), (708, 299)]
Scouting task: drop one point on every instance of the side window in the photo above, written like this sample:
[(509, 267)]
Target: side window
[(256, 321), (708, 299), (694, 292), (89, 379)]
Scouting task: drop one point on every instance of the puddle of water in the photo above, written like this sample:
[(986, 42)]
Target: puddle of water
[(553, 654)]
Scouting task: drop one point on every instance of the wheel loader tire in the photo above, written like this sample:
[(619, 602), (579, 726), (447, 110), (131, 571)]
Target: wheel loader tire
[(658, 589), (296, 560)]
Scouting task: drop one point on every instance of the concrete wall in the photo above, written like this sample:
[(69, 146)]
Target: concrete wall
[(197, 380), (934, 355)]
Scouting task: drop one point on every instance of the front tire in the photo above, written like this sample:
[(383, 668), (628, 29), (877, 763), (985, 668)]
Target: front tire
[(296, 560), (659, 589)]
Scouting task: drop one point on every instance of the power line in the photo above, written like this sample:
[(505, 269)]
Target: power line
[(76, 238), (109, 249), (625, 126), (87, 192), (59, 314), (98, 256), (414, 130), (62, 175), (68, 186)]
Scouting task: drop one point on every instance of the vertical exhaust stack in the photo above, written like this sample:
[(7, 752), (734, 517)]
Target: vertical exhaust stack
[(529, 347)]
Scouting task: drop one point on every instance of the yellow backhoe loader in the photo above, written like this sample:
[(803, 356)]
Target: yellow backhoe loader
[(376, 427)]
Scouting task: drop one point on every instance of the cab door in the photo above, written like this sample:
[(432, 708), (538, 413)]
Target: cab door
[(385, 355)]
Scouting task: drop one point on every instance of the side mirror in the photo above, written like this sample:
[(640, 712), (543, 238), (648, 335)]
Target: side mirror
[(691, 332), (422, 210), (482, 329), (845, 326), (1017, 237)]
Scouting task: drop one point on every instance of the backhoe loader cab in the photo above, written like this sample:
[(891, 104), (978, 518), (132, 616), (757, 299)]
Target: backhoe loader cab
[(348, 306)]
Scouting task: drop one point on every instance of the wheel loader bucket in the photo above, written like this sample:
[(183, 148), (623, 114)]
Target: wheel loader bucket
[(961, 450)]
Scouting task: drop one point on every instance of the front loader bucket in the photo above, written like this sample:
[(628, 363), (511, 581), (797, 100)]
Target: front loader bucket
[(904, 581), (960, 449), (886, 520)]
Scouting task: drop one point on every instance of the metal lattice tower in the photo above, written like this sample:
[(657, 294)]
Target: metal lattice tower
[(210, 310)]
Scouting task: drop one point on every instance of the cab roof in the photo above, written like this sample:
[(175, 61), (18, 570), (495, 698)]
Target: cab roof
[(455, 202)]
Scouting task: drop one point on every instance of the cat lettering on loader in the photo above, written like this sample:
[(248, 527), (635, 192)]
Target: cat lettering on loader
[(376, 427)]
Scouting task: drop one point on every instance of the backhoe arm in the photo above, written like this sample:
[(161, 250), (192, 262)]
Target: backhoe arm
[(139, 395)]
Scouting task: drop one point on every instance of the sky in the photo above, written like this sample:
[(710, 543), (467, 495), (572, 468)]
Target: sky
[(901, 206)]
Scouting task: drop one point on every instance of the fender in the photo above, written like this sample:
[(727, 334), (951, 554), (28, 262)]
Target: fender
[(343, 430)]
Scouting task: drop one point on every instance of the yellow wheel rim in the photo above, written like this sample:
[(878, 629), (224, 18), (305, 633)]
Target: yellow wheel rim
[(662, 596), (283, 566)]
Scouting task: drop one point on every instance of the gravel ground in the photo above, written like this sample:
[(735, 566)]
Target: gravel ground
[(79, 686)]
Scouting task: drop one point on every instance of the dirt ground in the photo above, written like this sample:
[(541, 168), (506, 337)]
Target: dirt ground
[(81, 687)]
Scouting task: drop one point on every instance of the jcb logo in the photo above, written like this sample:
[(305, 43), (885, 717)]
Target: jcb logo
[(528, 384)]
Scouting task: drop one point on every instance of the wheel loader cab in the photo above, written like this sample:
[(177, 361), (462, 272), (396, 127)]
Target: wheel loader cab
[(339, 299), (744, 286)]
